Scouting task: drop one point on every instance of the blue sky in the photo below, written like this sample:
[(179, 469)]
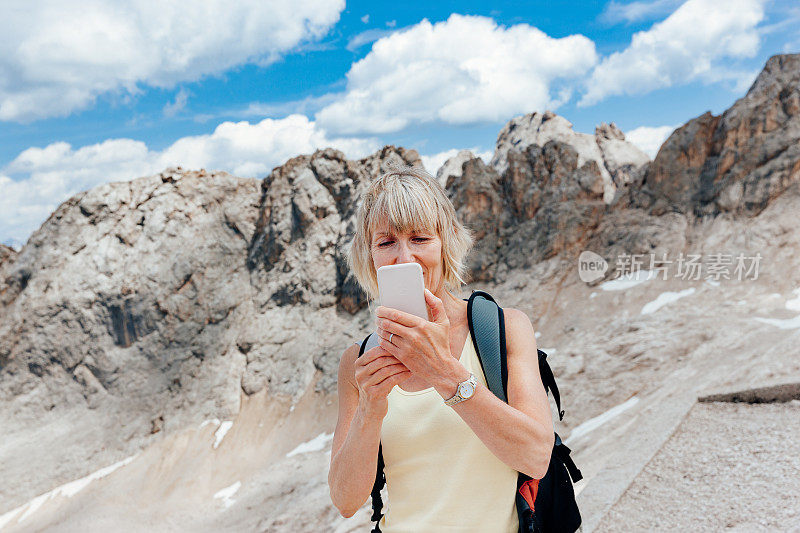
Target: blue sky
[(242, 87)]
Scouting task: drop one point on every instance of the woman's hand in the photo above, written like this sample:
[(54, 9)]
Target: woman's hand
[(376, 372), (422, 346)]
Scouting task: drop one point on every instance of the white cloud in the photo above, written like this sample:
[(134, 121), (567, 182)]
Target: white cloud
[(637, 11), (365, 18), (682, 48), (56, 58), (45, 177), (173, 108), (649, 139), (365, 37), (466, 69)]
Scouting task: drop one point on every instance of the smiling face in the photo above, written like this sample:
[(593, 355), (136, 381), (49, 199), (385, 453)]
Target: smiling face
[(390, 247)]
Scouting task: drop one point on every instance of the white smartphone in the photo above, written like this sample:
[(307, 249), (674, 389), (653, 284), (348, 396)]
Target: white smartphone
[(402, 287)]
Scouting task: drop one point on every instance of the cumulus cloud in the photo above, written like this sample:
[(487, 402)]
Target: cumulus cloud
[(45, 177), (649, 138), (56, 58), (467, 69), (684, 47)]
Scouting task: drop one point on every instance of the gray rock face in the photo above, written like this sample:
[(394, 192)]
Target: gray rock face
[(478, 197), (542, 205), (139, 307), (623, 160), (167, 275), (305, 221), (554, 200), (104, 296), (121, 309), (737, 162)]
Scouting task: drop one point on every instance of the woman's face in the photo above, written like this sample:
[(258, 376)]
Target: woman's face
[(423, 247)]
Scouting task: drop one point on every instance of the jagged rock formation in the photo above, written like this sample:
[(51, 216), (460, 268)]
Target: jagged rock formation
[(543, 193), (306, 219), (98, 302), (541, 206), (624, 160), (452, 167), (479, 201), (737, 162), (118, 313), (607, 153)]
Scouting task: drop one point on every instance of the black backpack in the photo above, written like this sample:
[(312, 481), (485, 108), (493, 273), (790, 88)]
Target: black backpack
[(555, 506)]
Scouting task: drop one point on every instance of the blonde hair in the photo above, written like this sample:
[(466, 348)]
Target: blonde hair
[(411, 200)]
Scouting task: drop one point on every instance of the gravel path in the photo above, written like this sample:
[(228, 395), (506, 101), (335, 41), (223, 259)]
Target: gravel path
[(728, 466)]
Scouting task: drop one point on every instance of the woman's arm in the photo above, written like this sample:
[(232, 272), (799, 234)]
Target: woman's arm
[(520, 432), (364, 383)]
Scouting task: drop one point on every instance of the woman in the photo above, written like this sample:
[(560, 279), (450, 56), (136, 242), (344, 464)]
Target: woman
[(448, 468)]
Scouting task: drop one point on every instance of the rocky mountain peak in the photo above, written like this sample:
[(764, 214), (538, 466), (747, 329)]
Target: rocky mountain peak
[(608, 132), (617, 160), (525, 130), (452, 167), (738, 162), (781, 73)]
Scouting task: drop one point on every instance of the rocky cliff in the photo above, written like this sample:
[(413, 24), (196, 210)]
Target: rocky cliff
[(140, 309), (141, 306), (737, 162), (544, 192)]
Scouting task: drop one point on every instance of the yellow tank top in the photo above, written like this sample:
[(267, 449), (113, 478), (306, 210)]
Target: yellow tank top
[(439, 475)]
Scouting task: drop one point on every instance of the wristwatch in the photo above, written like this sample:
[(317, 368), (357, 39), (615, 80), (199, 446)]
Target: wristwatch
[(464, 391)]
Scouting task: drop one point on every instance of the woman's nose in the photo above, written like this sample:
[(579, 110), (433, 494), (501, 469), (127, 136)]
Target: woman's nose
[(404, 255)]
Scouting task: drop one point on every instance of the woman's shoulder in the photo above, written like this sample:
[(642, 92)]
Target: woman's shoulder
[(348, 362), (518, 328), (515, 316)]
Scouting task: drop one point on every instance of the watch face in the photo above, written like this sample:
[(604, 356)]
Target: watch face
[(465, 390)]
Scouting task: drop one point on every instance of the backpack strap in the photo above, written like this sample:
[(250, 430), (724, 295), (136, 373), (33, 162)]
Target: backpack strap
[(549, 381), (561, 450), (487, 327), (380, 477)]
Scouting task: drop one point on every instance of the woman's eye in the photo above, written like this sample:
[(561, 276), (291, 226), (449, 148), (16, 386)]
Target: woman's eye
[(418, 239)]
